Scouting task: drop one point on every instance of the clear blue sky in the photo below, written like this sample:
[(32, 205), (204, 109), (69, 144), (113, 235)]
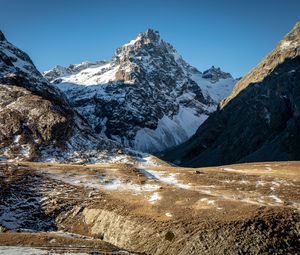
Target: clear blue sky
[(234, 35)]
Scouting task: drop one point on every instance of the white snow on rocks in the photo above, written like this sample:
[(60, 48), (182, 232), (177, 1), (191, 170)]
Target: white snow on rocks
[(98, 74), (15, 250), (170, 131), (154, 197), (119, 185), (276, 199), (218, 90), (208, 201), (99, 182), (168, 178), (288, 44), (150, 67), (132, 42)]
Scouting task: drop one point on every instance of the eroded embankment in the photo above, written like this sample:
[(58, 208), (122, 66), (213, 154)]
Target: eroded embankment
[(251, 208)]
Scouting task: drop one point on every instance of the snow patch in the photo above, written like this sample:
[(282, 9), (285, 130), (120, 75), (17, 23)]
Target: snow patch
[(209, 202), (132, 42), (98, 182), (94, 75), (218, 90), (154, 197), (288, 44), (168, 214), (169, 132), (168, 179), (276, 199), (119, 185)]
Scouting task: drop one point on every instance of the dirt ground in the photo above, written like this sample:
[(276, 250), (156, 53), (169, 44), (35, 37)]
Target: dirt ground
[(159, 209)]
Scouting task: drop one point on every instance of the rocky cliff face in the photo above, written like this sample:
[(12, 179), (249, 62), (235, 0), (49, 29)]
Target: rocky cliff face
[(147, 97), (36, 120), (259, 121)]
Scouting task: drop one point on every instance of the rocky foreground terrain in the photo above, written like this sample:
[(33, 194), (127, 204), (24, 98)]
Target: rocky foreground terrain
[(235, 209)]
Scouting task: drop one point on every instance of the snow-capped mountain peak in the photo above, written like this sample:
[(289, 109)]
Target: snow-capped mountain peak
[(147, 53), (150, 36), (147, 97), (215, 74)]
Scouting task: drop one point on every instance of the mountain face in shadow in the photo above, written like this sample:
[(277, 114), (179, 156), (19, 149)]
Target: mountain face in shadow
[(259, 121)]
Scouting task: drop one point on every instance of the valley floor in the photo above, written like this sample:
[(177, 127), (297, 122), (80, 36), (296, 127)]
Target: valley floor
[(114, 208)]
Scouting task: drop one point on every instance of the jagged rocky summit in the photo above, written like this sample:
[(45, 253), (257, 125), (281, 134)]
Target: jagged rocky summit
[(146, 97)]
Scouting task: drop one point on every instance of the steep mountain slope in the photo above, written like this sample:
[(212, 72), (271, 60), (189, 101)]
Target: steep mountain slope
[(36, 121), (259, 121), (147, 97)]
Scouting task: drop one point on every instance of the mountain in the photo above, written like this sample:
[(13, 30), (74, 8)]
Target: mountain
[(146, 97), (36, 121), (259, 121)]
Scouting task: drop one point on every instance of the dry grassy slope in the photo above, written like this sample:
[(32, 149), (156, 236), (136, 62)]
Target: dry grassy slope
[(245, 208)]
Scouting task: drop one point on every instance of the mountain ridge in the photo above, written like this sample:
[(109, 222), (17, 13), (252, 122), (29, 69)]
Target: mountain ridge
[(259, 121), (37, 121), (144, 95), (282, 49)]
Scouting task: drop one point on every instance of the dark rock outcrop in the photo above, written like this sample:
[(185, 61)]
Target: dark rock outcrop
[(29, 121), (259, 121)]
